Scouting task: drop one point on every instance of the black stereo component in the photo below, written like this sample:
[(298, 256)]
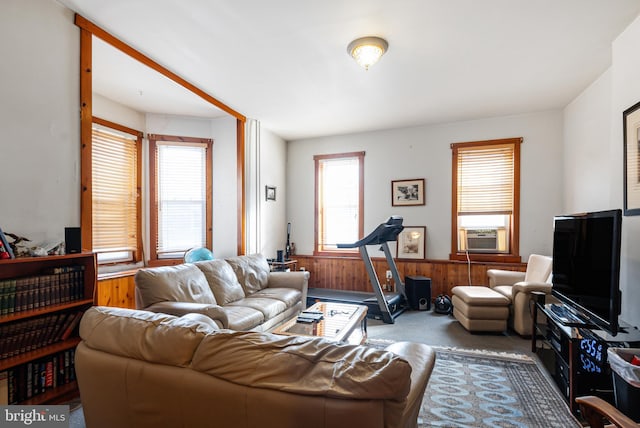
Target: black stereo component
[(418, 289)]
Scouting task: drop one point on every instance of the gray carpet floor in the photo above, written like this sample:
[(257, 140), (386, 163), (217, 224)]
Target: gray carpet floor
[(424, 327), (443, 330)]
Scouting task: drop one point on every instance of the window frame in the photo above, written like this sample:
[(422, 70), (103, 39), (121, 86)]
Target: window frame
[(318, 247), (513, 253), (153, 194), (86, 222)]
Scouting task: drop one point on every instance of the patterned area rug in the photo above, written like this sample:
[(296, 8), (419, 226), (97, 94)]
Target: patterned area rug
[(482, 389)]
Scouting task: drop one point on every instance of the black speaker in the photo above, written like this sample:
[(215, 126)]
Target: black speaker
[(72, 240), (418, 289)]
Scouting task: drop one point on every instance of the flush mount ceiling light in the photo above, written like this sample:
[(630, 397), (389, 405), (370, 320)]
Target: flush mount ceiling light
[(367, 50)]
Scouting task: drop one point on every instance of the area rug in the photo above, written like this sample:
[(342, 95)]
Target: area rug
[(483, 389)]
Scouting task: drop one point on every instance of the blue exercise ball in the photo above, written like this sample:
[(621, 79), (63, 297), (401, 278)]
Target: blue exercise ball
[(198, 254)]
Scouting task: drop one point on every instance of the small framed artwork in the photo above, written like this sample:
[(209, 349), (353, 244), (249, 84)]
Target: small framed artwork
[(631, 125), (407, 192), (411, 242), (270, 193)]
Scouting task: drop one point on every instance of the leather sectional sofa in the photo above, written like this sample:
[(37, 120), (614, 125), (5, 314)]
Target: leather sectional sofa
[(238, 293), (143, 369)]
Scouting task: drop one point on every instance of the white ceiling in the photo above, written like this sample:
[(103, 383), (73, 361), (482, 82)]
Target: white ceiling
[(284, 62)]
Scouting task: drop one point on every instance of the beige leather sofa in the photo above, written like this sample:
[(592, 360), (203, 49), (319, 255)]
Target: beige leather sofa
[(141, 369), (518, 286), (239, 293)]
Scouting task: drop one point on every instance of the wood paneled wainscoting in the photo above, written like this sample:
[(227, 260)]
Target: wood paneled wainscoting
[(116, 290), (349, 273)]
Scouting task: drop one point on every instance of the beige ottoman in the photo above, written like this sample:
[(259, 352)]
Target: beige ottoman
[(480, 308)]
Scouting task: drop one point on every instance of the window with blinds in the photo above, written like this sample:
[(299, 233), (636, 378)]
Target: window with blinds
[(486, 178), (115, 157), (181, 195), (339, 200)]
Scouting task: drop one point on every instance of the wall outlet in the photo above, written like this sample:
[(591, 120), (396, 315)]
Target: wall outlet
[(389, 276)]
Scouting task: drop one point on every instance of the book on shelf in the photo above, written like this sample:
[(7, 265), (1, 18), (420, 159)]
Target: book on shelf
[(69, 280), (52, 327), (27, 335), (68, 331), (29, 381), (53, 286), (7, 296), (4, 388), (36, 377)]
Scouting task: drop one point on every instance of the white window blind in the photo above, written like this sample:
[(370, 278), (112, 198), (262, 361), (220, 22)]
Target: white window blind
[(339, 201), (486, 180), (182, 199), (114, 191)]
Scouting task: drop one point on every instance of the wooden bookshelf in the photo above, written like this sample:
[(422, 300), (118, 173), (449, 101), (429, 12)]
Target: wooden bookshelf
[(59, 288), (36, 354)]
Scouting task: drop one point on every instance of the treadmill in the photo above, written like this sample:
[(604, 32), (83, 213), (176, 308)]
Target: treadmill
[(381, 305)]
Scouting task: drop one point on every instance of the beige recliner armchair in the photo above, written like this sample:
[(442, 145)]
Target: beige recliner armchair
[(517, 287)]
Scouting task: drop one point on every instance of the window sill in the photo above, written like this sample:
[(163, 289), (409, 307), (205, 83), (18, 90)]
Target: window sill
[(477, 257), (164, 262), (118, 274)]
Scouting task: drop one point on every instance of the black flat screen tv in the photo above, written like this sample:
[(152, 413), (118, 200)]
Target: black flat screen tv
[(586, 266)]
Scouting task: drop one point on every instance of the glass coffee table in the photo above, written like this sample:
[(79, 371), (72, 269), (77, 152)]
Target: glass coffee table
[(340, 322)]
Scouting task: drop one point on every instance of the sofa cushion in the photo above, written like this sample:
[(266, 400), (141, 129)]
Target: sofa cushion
[(252, 272), (242, 317), (302, 365), (181, 283), (505, 290), (269, 307), (222, 281), (289, 296), (143, 335)]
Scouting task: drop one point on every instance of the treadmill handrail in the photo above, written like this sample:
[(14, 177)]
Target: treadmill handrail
[(385, 232)]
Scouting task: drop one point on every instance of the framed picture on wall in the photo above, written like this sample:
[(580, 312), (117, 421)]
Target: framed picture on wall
[(412, 242), (631, 127), (270, 193), (407, 192)]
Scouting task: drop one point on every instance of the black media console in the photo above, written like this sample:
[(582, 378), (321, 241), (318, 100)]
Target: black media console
[(575, 354)]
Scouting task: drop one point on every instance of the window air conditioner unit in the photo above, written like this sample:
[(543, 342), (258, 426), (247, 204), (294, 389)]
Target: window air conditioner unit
[(482, 240)]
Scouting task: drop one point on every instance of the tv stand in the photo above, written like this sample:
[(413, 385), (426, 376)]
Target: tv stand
[(576, 355)]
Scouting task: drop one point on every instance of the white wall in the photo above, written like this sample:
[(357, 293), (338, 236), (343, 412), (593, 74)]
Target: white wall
[(107, 109), (424, 152), (273, 223), (594, 155), (39, 96), (225, 190), (587, 173), (625, 92)]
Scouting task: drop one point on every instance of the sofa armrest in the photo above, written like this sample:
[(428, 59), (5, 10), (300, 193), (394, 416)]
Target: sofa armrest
[(528, 287), (297, 280), (422, 359), (504, 277), (215, 312)]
